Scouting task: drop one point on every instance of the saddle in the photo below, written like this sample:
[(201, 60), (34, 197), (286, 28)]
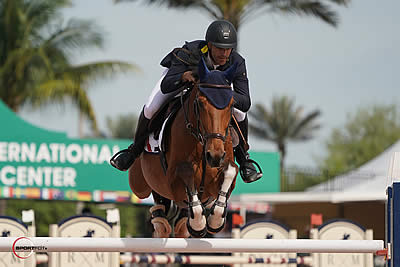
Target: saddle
[(160, 129)]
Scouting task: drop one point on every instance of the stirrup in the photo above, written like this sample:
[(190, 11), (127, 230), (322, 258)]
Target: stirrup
[(114, 160), (251, 178)]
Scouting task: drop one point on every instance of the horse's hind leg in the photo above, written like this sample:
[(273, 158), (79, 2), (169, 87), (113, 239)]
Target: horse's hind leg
[(180, 227), (137, 182), (162, 228), (196, 223), (216, 219)]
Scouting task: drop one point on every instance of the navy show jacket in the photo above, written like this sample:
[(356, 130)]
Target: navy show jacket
[(172, 80)]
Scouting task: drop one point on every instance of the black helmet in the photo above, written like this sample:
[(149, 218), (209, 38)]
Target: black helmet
[(222, 34)]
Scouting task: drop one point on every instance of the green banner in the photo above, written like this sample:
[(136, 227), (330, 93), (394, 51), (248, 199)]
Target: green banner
[(40, 164)]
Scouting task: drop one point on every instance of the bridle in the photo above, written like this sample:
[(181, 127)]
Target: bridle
[(198, 132)]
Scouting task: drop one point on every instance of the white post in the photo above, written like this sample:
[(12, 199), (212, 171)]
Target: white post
[(113, 217), (242, 213), (393, 212), (236, 235), (28, 217), (314, 234), (292, 235), (53, 232), (369, 258)]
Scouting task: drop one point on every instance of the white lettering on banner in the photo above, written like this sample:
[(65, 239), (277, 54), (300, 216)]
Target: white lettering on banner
[(74, 153), (28, 152), (62, 153), (105, 155), (56, 153), (3, 151), (47, 176), (29, 176), (21, 176), (13, 152), (43, 153), (69, 175), (35, 176), (90, 153), (4, 178), (57, 178)]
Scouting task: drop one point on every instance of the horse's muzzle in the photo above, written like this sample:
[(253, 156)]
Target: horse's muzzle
[(215, 160)]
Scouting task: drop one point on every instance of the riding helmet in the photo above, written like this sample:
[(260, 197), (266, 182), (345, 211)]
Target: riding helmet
[(222, 34)]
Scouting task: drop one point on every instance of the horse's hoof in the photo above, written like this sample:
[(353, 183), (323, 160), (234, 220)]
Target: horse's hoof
[(196, 233), (217, 230), (162, 229), (180, 229)]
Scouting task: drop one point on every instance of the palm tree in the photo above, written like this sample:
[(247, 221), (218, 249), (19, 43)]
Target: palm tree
[(282, 123), (122, 126), (36, 49), (240, 11)]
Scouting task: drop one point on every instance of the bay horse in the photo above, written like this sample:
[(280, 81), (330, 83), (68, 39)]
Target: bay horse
[(201, 169)]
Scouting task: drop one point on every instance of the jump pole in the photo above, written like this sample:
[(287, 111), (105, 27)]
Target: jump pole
[(393, 213), (185, 245)]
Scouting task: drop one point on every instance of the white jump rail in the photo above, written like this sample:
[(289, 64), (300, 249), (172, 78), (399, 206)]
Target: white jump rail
[(184, 245)]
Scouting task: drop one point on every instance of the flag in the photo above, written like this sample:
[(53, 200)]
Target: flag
[(7, 192), (32, 193), (316, 219), (84, 196), (237, 220), (123, 196)]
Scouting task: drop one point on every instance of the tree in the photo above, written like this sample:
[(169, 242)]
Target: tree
[(35, 59), (281, 123), (240, 11), (365, 135), (123, 126)]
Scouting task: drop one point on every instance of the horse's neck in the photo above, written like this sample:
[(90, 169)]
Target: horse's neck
[(189, 106)]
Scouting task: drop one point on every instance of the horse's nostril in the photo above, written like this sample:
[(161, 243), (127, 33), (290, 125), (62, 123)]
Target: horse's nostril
[(221, 161), (215, 161)]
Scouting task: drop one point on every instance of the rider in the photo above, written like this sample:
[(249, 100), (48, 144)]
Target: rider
[(219, 53)]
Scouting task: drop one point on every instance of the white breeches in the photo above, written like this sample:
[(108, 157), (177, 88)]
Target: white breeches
[(158, 98)]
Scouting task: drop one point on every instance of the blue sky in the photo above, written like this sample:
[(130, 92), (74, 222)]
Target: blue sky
[(336, 70)]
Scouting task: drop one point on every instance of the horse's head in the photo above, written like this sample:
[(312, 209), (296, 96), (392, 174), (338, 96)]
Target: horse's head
[(214, 103)]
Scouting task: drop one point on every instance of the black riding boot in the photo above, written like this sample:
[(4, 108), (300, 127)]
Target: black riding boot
[(247, 169), (123, 159)]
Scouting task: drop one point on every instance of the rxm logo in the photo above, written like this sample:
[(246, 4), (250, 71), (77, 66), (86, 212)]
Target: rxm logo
[(23, 245)]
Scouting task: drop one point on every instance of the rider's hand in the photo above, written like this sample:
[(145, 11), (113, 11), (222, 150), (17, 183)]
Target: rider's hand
[(188, 77)]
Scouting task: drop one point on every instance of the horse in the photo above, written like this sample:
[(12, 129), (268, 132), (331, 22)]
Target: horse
[(201, 171)]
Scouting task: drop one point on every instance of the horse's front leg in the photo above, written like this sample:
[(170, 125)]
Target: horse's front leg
[(196, 223), (216, 219)]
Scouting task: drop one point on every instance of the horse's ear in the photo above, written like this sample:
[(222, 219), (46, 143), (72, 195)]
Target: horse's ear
[(203, 70), (230, 72)]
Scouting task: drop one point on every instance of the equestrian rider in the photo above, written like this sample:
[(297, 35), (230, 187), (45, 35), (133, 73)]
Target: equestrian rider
[(219, 53)]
